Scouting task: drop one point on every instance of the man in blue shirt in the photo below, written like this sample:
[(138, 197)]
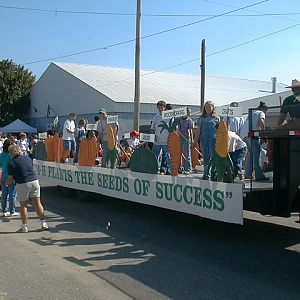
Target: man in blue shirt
[(20, 169)]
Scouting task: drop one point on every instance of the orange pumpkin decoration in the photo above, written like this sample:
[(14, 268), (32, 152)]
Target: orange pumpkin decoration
[(88, 152), (49, 142), (58, 147)]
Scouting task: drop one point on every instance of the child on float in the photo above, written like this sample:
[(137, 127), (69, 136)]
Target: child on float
[(160, 146), (80, 133), (206, 134), (128, 146), (133, 141), (186, 136), (237, 151)]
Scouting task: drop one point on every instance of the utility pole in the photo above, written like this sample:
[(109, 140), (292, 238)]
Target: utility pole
[(137, 89), (202, 67)]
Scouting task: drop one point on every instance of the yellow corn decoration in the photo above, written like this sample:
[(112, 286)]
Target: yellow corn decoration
[(111, 137), (222, 140)]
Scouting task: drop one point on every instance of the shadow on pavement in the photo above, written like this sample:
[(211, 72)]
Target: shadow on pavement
[(148, 252)]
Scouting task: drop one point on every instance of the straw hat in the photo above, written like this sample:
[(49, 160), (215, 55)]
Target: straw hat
[(295, 84)]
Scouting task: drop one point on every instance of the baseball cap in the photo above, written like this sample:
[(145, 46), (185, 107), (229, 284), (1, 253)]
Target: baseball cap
[(102, 110)]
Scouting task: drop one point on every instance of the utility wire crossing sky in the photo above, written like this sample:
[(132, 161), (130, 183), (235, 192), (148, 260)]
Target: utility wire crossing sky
[(252, 44)]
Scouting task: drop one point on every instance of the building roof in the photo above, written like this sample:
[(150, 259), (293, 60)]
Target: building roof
[(176, 88)]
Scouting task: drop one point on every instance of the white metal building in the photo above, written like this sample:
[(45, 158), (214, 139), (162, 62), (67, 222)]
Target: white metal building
[(66, 87)]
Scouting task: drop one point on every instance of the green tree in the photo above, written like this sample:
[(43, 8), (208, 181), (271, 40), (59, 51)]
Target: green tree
[(15, 85)]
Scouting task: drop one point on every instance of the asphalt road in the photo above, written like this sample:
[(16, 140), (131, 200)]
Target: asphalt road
[(112, 249)]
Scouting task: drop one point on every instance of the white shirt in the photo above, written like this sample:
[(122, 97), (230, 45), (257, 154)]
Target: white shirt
[(256, 116), (102, 129), (235, 124), (71, 126), (133, 142), (244, 129), (235, 142), (24, 145), (161, 138)]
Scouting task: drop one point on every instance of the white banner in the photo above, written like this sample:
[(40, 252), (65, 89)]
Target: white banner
[(147, 137), (189, 194), (112, 119), (91, 126), (127, 135), (43, 135), (229, 111), (177, 112)]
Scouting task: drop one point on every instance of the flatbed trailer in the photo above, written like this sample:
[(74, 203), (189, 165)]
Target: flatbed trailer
[(281, 196), (184, 193)]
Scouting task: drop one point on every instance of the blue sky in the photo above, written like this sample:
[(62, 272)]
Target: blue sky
[(29, 36)]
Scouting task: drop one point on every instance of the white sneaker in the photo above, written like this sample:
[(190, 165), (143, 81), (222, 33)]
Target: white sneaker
[(14, 214), (6, 214), (45, 226), (23, 229)]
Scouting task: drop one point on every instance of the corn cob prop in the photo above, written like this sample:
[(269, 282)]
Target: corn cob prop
[(112, 151), (174, 144), (221, 164)]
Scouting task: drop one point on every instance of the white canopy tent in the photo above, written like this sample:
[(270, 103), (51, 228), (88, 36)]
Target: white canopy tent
[(18, 126)]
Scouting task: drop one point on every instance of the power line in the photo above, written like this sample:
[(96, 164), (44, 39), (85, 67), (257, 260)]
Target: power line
[(149, 35), (228, 5), (253, 40), (66, 11), (227, 49), (197, 59), (144, 14), (80, 52), (208, 55)]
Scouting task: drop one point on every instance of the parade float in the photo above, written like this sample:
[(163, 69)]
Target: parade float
[(220, 199)]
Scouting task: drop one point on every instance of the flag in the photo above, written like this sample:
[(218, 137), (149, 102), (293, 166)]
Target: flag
[(48, 111), (55, 121)]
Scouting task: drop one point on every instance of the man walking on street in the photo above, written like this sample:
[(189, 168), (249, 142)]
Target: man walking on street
[(20, 170)]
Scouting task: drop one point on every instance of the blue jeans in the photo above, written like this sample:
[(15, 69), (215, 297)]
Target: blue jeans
[(185, 145), (77, 152), (9, 191), (207, 150), (252, 160), (165, 156), (237, 160), (69, 145)]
